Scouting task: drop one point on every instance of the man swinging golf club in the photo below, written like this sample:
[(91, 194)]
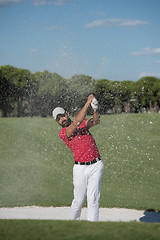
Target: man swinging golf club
[(88, 167)]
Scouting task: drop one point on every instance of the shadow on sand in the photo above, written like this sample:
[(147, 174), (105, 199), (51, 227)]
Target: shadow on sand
[(150, 216)]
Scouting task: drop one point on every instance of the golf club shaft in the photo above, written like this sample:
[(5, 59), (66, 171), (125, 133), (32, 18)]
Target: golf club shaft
[(83, 85)]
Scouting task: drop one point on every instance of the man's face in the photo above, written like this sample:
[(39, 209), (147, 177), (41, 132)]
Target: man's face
[(63, 120)]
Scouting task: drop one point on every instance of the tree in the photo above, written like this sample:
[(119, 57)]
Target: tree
[(6, 94), (78, 89), (25, 94), (148, 92), (16, 82), (50, 94), (104, 94), (115, 96), (126, 95)]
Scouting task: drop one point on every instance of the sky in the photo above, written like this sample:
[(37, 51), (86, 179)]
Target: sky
[(110, 39)]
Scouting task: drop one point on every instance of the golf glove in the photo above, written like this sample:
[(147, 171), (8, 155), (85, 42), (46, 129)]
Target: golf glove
[(94, 104)]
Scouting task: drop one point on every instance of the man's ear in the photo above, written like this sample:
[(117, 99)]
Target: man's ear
[(67, 114)]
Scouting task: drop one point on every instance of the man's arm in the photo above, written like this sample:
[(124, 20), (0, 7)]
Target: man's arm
[(93, 121), (80, 117)]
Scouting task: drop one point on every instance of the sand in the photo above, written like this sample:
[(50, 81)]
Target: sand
[(62, 213)]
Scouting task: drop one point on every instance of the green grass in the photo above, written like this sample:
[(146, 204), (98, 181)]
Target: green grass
[(70, 230), (36, 166)]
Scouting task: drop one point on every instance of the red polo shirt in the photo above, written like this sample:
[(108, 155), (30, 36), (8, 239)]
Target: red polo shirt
[(81, 143)]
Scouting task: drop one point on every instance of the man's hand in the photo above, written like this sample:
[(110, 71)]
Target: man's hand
[(96, 117), (94, 104), (90, 98)]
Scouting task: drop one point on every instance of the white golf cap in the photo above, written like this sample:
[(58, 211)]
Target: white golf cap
[(56, 111)]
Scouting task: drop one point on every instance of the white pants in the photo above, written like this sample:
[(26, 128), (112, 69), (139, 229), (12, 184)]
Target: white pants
[(87, 181)]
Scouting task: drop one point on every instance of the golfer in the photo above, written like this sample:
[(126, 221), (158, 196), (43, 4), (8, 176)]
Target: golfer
[(88, 167)]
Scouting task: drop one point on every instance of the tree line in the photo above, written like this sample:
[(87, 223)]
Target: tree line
[(23, 93)]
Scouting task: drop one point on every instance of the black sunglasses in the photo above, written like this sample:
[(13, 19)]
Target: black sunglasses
[(59, 116)]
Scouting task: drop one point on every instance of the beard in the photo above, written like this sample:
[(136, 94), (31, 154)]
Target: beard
[(66, 123)]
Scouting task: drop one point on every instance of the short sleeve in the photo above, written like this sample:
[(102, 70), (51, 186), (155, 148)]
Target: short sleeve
[(62, 134)]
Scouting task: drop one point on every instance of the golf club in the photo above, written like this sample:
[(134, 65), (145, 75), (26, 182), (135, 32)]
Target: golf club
[(82, 84), (94, 103)]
